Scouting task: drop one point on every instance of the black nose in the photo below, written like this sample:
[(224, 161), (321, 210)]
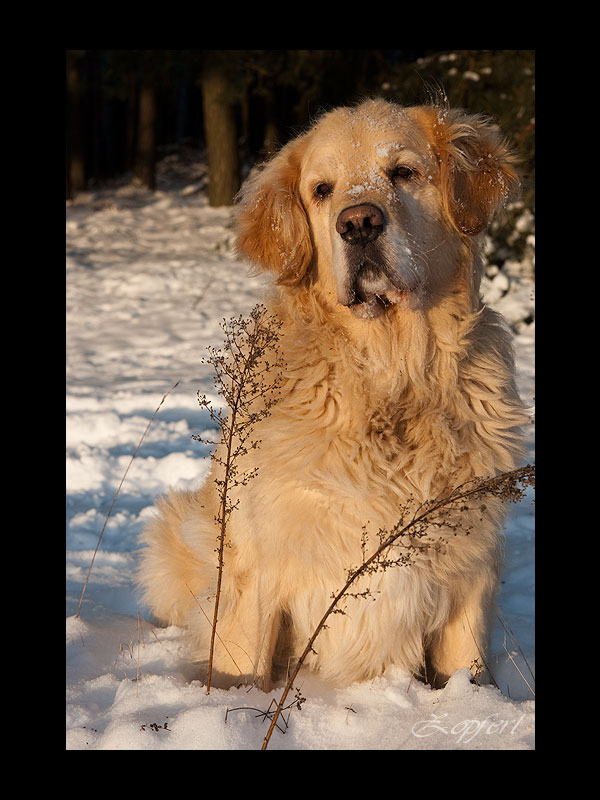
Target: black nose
[(360, 224)]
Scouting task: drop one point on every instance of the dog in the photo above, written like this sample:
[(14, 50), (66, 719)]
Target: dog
[(398, 386)]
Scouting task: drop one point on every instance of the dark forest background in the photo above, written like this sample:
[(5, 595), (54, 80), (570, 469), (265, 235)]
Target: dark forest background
[(127, 109)]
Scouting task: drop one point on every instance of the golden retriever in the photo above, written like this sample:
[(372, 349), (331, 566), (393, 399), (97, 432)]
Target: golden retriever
[(398, 383)]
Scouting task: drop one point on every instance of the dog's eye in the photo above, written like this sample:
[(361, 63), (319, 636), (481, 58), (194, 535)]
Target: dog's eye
[(402, 173), (322, 190)]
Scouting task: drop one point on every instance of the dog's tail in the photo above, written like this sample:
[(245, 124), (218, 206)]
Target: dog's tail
[(170, 575)]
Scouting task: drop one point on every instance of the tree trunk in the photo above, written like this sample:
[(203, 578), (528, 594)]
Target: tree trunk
[(221, 135), (271, 135), (146, 139), (130, 123), (75, 155)]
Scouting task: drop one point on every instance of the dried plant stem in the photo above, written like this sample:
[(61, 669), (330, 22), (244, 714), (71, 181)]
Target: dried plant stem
[(242, 379), (112, 505), (505, 485), (223, 515)]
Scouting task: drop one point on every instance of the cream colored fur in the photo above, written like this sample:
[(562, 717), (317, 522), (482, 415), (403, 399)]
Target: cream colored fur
[(373, 411)]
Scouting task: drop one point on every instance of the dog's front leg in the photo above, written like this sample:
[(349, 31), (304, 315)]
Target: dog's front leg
[(247, 632), (463, 641)]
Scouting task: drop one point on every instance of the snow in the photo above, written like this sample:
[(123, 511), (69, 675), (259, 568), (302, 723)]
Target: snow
[(149, 277)]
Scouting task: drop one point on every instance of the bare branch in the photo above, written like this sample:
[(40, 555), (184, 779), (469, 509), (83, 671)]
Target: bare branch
[(510, 486), (245, 379)]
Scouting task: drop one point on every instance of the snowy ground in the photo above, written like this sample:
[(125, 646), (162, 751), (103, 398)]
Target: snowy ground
[(149, 277)]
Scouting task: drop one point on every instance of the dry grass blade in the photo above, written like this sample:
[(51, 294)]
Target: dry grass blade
[(137, 677), (516, 666), (112, 505), (508, 631), (217, 635)]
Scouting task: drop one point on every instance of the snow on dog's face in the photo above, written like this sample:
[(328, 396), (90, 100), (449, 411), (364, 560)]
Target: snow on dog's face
[(374, 202)]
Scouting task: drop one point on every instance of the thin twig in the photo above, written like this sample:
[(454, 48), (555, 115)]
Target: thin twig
[(117, 494)]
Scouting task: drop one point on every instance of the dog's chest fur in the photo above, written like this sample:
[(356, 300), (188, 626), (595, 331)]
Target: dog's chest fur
[(401, 414)]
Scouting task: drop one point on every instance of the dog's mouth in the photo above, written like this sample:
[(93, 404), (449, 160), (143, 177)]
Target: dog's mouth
[(373, 292)]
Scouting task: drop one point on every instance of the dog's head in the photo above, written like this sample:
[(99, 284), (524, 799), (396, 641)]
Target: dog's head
[(375, 201)]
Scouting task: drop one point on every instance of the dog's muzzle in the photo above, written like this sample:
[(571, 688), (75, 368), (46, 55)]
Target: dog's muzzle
[(370, 286)]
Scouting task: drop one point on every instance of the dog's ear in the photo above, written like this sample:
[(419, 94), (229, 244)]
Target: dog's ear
[(477, 168), (272, 223)]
